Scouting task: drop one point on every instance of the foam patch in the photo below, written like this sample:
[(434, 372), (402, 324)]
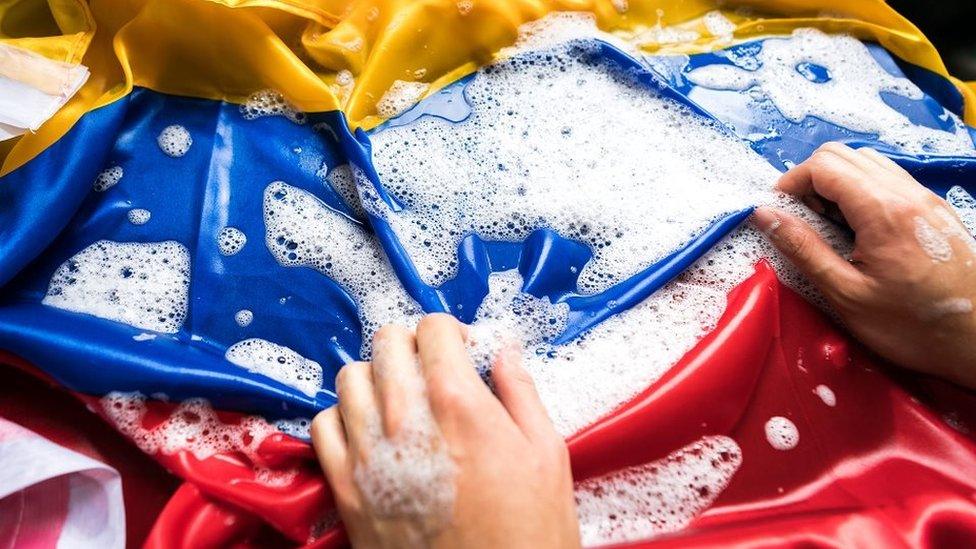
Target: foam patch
[(139, 216), (174, 140), (270, 103), (664, 496), (301, 231), (277, 362), (108, 178), (243, 318), (400, 97), (781, 433), (523, 161), (231, 240), (145, 285), (836, 79)]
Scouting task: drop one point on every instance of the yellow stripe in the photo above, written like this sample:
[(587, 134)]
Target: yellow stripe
[(227, 49)]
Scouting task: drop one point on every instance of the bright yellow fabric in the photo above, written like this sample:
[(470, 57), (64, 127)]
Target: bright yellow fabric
[(227, 49)]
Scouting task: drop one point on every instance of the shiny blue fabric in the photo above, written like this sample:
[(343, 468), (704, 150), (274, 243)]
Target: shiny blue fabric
[(48, 212)]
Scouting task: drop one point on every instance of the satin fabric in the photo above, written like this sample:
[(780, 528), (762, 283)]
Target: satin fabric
[(273, 44), (298, 46), (881, 468)]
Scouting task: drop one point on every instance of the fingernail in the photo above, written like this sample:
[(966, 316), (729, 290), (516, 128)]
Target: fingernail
[(765, 219)]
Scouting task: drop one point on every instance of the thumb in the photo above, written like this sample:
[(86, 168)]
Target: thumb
[(797, 240)]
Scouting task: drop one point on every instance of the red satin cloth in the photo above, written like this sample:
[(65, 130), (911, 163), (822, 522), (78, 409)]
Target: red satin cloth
[(884, 467)]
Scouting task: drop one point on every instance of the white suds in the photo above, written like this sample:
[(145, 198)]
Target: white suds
[(231, 240), (298, 427), (243, 318), (848, 95), (193, 426), (342, 181), (145, 285), (270, 103), (965, 207), (523, 161), (627, 352), (277, 362), (174, 140), (465, 6), (826, 394), (949, 306), (109, 178), (139, 216), (718, 25), (302, 231), (410, 474), (782, 433), (933, 242), (660, 497), (144, 337), (401, 96)]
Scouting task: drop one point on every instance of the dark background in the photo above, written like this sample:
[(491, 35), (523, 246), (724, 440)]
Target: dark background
[(950, 25)]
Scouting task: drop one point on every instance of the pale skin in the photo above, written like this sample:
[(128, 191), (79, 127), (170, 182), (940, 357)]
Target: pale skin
[(513, 481)]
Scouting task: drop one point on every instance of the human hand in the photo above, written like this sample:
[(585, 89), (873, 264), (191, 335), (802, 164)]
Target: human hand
[(419, 452), (908, 290)]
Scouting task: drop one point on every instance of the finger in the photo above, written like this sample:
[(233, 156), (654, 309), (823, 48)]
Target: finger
[(795, 239), (882, 161), (516, 391), (395, 373), (358, 406), (329, 442), (838, 180), (866, 164), (443, 354), (452, 382)]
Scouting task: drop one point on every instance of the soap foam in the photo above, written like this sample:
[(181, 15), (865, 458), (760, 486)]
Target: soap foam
[(277, 362), (231, 240), (851, 98), (243, 318), (964, 205), (301, 230), (270, 103), (782, 433), (932, 241), (342, 181), (193, 426), (174, 140), (524, 161), (409, 474), (401, 96), (627, 352), (826, 394), (108, 178), (139, 216), (298, 427), (145, 285), (657, 498), (719, 25)]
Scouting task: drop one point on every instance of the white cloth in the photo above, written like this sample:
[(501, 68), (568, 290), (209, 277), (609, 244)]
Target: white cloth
[(33, 88), (51, 496)]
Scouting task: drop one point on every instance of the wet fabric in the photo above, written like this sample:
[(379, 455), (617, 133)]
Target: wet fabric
[(152, 68), (51, 496)]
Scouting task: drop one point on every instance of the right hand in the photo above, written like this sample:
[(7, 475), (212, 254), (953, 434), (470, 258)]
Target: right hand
[(909, 301)]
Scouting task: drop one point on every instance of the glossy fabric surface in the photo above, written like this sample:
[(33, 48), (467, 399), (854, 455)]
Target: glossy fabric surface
[(880, 468)]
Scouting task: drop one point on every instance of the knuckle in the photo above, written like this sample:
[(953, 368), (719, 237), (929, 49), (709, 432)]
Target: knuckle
[(448, 396), (389, 331), (435, 322)]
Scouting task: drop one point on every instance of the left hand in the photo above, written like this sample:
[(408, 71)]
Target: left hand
[(419, 452)]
